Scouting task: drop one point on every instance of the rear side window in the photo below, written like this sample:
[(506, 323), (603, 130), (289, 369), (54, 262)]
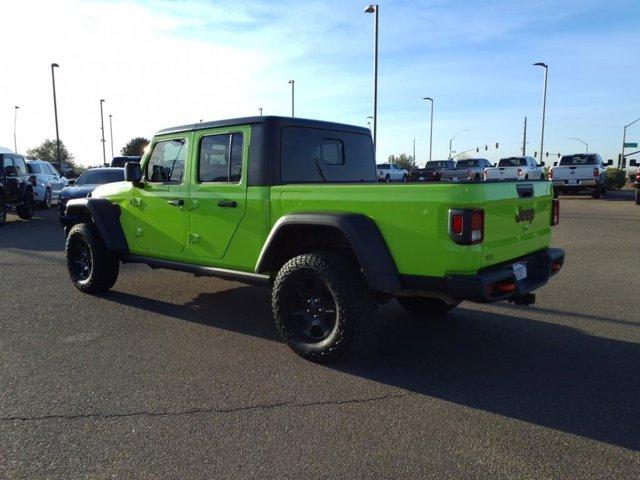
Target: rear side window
[(34, 168), (220, 158), (166, 164), (314, 155), (21, 165)]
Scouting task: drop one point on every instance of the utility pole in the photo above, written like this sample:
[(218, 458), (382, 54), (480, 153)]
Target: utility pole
[(104, 152), (524, 138), (624, 140), (544, 102), (260, 108)]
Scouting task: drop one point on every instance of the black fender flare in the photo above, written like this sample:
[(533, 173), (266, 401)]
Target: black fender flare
[(24, 188), (104, 215), (361, 233)]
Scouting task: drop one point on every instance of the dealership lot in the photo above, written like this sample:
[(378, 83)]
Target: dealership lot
[(185, 377)]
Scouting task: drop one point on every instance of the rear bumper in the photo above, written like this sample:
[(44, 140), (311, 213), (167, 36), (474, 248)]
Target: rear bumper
[(491, 284), (582, 184)]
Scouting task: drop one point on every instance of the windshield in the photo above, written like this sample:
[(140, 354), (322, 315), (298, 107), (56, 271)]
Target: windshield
[(466, 163), (577, 160), (98, 177), (437, 164), (512, 162)]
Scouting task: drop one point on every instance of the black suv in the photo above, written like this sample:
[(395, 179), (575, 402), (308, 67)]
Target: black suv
[(16, 187)]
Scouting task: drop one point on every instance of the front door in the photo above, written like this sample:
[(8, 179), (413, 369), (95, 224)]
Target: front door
[(218, 190), (162, 218)]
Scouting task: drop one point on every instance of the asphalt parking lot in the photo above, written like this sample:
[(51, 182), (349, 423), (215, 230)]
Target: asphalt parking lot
[(174, 376)]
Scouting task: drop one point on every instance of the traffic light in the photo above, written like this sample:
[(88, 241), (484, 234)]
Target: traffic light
[(547, 155), (497, 145), (559, 155), (535, 154), (486, 147), (477, 149)]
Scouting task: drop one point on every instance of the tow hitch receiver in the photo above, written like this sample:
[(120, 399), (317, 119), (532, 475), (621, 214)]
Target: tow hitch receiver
[(526, 300)]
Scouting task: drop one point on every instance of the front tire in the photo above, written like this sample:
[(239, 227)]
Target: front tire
[(319, 301), (425, 308), (46, 203), (404, 179), (92, 268), (387, 179)]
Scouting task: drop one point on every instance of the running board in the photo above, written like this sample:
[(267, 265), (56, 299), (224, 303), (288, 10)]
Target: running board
[(199, 270)]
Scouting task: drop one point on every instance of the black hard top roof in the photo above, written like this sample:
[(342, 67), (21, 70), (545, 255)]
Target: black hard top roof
[(270, 120)]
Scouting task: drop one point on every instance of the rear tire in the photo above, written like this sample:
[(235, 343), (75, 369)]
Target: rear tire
[(597, 193), (637, 196), (556, 193), (387, 179), (25, 211), (404, 179), (320, 300), (92, 268), (425, 308)]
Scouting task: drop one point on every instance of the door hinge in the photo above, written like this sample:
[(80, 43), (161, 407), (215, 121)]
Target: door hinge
[(193, 238), (193, 204), (137, 232), (135, 202)]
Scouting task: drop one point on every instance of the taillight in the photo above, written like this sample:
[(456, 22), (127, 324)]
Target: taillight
[(466, 226), (550, 173), (519, 172), (596, 172), (555, 212), (638, 175)]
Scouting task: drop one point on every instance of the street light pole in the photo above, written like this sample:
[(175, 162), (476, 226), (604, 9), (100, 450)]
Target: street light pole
[(15, 122), (581, 141), (375, 9), (624, 140), (544, 102), (111, 134), (55, 112), (293, 97), (260, 108), (451, 141), (104, 153), (430, 127)]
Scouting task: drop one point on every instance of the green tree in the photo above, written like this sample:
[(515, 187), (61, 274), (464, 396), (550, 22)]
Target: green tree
[(405, 161), (48, 151), (135, 147)]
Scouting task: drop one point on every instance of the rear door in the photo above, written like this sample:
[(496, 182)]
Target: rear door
[(218, 194), (12, 181)]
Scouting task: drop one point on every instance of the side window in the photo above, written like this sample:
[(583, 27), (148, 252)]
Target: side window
[(330, 152), (166, 164), (9, 168), (52, 169), (220, 158), (21, 165)]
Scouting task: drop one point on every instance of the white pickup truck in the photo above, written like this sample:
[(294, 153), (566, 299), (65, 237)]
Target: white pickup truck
[(582, 171), (391, 172), (516, 168)]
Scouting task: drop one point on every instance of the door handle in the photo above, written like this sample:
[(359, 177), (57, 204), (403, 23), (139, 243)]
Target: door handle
[(227, 203), (176, 202)]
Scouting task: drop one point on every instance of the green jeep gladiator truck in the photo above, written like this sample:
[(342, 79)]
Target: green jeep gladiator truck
[(295, 204)]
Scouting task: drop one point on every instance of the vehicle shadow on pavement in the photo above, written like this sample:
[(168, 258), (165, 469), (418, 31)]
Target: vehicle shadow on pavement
[(530, 370), (34, 234), (538, 372), (611, 196)]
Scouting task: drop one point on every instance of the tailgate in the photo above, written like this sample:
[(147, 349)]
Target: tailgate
[(502, 173), (574, 173), (517, 220)]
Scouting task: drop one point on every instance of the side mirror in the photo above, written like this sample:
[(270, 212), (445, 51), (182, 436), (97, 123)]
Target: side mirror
[(555, 164), (609, 162), (71, 182), (632, 163), (132, 172), (542, 164)]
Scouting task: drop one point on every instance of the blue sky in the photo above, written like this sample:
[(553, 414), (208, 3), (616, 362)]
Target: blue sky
[(160, 63)]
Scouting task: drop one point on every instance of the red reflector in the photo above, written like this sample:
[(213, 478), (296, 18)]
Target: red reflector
[(556, 265), (456, 224), (503, 287)]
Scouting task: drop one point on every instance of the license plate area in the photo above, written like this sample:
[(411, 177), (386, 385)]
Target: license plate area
[(573, 182), (520, 270)]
